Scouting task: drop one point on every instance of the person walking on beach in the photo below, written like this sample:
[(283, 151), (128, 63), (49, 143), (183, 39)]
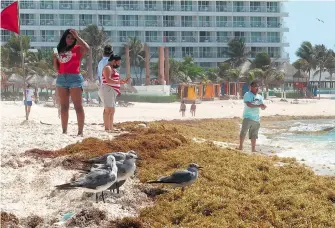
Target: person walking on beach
[(182, 108), (251, 120), (69, 82), (110, 89), (103, 62), (29, 99), (193, 108)]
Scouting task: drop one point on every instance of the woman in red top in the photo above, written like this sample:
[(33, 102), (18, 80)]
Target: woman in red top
[(69, 81)]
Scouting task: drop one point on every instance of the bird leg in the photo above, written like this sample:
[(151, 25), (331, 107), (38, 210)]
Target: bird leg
[(96, 197), (103, 197)]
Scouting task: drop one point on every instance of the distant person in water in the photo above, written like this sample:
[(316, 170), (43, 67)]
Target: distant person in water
[(193, 108), (251, 120), (182, 108)]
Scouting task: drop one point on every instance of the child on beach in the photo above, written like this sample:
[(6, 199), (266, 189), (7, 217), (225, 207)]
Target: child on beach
[(182, 108), (193, 108)]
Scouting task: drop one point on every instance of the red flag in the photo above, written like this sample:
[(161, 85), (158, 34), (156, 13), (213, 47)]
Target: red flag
[(10, 18)]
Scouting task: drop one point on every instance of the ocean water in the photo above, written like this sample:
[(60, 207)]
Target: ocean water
[(315, 150)]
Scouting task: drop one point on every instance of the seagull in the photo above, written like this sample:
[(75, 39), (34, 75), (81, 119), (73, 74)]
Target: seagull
[(320, 20), (97, 180), (181, 178), (125, 169), (119, 156)]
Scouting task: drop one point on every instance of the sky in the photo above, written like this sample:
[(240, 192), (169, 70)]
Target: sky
[(304, 26)]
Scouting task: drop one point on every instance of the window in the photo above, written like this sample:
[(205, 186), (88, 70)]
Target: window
[(255, 6), (205, 37), (239, 22), (203, 5), (222, 52), (205, 65), (47, 19), (221, 6), (105, 20), (108, 35), (151, 36), (274, 52), (151, 21), (273, 37), (27, 5), (66, 19), (256, 37), (186, 21), (186, 5), (128, 20), (104, 5), (153, 54), (48, 36), (65, 5), (239, 6), (221, 21), (126, 35), (257, 50), (187, 51), (273, 22), (272, 7), (85, 19), (30, 34), (204, 21), (150, 5), (187, 37), (256, 22), (169, 21), (168, 5), (172, 52), (222, 37), (128, 5), (169, 36), (46, 4), (5, 35), (4, 4), (239, 35), (206, 52), (27, 19), (85, 5)]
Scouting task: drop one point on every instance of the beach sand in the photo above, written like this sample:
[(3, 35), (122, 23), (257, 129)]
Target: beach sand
[(28, 184)]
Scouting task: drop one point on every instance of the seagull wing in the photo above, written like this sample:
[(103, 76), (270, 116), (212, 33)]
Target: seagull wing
[(95, 179), (177, 177)]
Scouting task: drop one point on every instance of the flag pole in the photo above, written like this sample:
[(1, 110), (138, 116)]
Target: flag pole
[(23, 68)]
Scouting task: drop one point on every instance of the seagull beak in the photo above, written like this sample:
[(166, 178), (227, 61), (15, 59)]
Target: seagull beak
[(200, 167)]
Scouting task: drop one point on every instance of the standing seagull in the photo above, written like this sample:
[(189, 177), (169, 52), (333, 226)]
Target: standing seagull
[(125, 169), (98, 180), (181, 178)]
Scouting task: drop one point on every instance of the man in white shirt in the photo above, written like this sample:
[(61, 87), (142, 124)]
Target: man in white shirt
[(108, 51)]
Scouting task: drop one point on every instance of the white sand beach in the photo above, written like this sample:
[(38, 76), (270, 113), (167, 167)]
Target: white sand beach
[(27, 185)]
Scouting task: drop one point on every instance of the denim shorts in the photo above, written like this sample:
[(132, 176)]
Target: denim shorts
[(70, 81), (28, 103)]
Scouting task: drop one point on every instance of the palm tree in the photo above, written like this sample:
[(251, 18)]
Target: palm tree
[(306, 52), (97, 40), (321, 56), (136, 55), (325, 61), (237, 52), (266, 71)]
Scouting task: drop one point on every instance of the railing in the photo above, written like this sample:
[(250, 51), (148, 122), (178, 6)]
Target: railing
[(48, 22), (191, 39), (106, 23), (170, 39), (127, 23), (145, 7)]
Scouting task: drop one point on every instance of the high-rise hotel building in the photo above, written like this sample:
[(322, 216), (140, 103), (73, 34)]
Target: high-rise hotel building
[(197, 28)]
